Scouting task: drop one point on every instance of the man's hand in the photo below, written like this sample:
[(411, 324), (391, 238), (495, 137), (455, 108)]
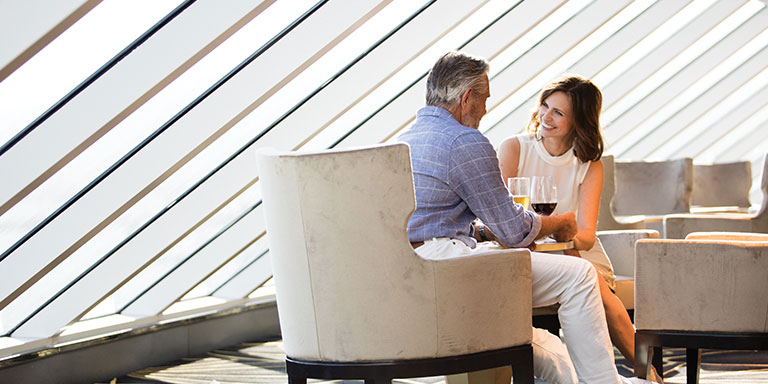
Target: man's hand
[(560, 227), (567, 228)]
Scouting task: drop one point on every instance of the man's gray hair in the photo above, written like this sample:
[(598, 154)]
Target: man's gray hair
[(451, 75)]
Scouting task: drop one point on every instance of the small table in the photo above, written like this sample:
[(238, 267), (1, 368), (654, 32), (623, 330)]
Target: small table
[(549, 245)]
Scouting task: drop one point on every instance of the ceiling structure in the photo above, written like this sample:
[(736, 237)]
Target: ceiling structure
[(128, 128)]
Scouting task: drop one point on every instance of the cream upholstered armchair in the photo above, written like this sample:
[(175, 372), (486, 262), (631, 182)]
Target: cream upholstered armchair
[(679, 225), (356, 302), (707, 291), (721, 185), (649, 190), (620, 248), (606, 220)]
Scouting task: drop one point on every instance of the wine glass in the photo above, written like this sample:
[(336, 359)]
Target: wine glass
[(543, 195), (520, 188)]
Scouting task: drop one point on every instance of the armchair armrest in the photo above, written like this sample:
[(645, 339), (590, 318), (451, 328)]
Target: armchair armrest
[(486, 291), (677, 226), (728, 236), (701, 285), (620, 247)]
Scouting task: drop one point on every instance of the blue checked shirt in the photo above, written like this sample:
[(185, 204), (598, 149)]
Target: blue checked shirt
[(457, 179)]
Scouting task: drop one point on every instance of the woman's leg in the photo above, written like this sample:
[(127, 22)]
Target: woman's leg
[(619, 324), (620, 327)]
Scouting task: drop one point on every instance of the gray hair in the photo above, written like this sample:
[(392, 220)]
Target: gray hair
[(451, 75)]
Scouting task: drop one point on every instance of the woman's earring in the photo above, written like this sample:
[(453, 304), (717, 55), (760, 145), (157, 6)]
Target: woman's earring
[(537, 135)]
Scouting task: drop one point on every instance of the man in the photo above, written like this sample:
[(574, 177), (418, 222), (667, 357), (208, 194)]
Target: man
[(457, 179)]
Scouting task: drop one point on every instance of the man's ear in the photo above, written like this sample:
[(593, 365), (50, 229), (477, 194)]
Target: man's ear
[(465, 96)]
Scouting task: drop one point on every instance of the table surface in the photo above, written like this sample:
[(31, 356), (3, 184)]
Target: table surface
[(549, 245)]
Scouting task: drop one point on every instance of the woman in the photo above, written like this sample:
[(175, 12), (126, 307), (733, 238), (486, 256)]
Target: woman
[(564, 141)]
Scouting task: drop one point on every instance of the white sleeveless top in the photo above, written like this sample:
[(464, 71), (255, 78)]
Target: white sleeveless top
[(566, 170), (568, 173)]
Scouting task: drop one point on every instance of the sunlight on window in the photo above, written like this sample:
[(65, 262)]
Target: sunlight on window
[(136, 127), (680, 61), (73, 56), (750, 125), (122, 138), (406, 75), (650, 42), (230, 269), (266, 289), (696, 89), (532, 87), (720, 111), (383, 23)]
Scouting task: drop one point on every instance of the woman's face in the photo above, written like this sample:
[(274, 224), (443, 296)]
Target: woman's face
[(555, 116)]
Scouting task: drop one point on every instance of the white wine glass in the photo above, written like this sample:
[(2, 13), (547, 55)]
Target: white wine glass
[(543, 195)]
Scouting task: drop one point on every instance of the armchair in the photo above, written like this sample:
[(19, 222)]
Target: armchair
[(650, 190), (605, 219), (620, 248), (356, 302), (721, 185), (707, 291), (679, 225)]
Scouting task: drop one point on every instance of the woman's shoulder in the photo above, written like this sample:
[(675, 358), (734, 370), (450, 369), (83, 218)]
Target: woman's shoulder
[(516, 140)]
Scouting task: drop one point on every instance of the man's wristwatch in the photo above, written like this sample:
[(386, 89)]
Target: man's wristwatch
[(481, 232)]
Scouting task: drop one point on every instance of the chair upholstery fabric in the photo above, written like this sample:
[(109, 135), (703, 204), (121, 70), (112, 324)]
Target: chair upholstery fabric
[(350, 287), (677, 226), (652, 188), (707, 291), (701, 285), (620, 248), (605, 219), (724, 184)]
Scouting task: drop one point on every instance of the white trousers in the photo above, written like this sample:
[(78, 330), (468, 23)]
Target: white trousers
[(572, 283)]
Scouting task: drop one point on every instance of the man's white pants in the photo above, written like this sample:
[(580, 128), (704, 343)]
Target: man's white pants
[(571, 282)]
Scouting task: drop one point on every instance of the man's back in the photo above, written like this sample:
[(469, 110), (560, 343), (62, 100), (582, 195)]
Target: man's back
[(457, 179)]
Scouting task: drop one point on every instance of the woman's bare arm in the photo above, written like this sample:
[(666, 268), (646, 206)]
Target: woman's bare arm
[(509, 158), (589, 205)]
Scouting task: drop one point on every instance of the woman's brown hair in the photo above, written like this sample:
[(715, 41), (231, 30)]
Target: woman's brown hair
[(586, 103)]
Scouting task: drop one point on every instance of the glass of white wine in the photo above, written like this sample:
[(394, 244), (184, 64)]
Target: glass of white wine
[(543, 195), (520, 189)]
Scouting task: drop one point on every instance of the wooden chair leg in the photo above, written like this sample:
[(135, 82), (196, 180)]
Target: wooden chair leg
[(642, 357), (522, 369), (658, 361), (692, 364), (378, 380)]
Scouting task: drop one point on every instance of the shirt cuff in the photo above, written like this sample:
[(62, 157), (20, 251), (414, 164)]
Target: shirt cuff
[(535, 229)]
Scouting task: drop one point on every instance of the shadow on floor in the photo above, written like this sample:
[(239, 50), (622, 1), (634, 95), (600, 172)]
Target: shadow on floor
[(262, 362)]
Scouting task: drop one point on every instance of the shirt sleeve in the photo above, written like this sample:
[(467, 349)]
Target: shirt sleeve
[(475, 176)]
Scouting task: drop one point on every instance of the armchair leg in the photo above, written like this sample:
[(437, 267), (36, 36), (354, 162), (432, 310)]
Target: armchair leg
[(522, 370), (658, 361), (378, 380), (692, 364), (647, 355), (296, 380), (642, 357)]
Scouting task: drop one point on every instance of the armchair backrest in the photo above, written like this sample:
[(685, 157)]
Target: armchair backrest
[(723, 184), (762, 214), (652, 188), (336, 224), (605, 219)]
